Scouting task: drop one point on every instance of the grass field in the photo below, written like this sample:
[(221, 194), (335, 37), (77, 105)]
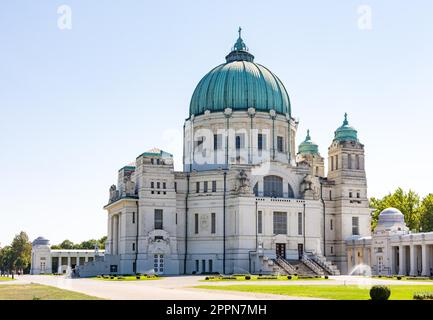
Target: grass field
[(6, 279), (127, 278), (39, 292), (340, 292), (257, 278)]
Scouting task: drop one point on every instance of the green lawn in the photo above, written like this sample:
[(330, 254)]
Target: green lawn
[(257, 278), (39, 292), (127, 278), (338, 292), (6, 279)]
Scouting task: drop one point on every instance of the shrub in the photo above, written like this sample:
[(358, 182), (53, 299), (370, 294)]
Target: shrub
[(398, 278), (289, 277), (423, 296), (260, 274), (326, 277), (207, 278), (138, 277), (247, 277), (380, 293)]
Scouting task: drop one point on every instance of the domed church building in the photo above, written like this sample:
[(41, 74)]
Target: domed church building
[(248, 199)]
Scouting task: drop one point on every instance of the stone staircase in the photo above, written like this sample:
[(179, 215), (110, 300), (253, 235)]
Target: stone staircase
[(325, 265)]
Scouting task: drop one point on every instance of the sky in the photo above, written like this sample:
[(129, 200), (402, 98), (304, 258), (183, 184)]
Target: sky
[(86, 89)]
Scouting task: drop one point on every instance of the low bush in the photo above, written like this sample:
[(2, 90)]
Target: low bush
[(267, 277), (229, 278), (398, 278), (380, 293), (289, 277), (207, 278), (423, 296), (247, 277), (326, 277)]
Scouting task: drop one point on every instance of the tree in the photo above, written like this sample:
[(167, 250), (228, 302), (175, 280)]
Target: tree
[(66, 244), (7, 263), (407, 202), (426, 216), (21, 252)]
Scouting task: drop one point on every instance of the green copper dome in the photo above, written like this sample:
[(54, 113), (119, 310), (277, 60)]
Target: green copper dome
[(308, 146), (239, 84), (346, 132)]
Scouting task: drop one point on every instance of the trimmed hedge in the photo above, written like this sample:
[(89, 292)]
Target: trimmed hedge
[(423, 296), (380, 292)]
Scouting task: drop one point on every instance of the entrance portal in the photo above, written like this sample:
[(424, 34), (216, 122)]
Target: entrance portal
[(280, 250)]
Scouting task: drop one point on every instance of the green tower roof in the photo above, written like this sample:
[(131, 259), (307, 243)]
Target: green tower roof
[(346, 132), (239, 84), (308, 146)]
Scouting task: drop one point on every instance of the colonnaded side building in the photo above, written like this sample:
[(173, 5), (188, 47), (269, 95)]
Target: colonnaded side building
[(247, 199)]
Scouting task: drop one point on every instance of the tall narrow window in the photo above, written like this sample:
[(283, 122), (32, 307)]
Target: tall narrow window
[(152, 184), (197, 266), (280, 222), (133, 217), (355, 226), (133, 246), (332, 163), (349, 161), (158, 185), (197, 187), (205, 186), (158, 219), (217, 141), (358, 164), (210, 266), (330, 194), (350, 194), (238, 142), (196, 223), (280, 144), (331, 224), (290, 193), (300, 223), (214, 186), (164, 185), (336, 162), (259, 222), (175, 186), (176, 218), (213, 222), (260, 141), (256, 189), (151, 160), (157, 161)]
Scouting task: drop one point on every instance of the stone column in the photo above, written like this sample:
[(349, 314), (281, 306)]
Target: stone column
[(59, 267), (425, 261), (402, 260), (365, 257), (413, 266), (69, 261), (86, 259), (391, 267), (77, 263)]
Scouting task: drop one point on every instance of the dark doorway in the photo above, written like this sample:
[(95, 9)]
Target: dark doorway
[(300, 250), (281, 250)]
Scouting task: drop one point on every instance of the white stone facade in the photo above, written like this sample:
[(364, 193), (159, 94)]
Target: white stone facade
[(48, 261)]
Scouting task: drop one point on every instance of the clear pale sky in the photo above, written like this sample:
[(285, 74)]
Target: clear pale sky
[(76, 105)]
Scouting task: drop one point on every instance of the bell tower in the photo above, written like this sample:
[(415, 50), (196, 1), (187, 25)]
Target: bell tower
[(308, 152), (349, 206)]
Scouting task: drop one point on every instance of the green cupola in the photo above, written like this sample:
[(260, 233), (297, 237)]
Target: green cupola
[(308, 146), (240, 83), (346, 132)]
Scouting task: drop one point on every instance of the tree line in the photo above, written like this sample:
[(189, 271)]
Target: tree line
[(88, 244), (417, 211)]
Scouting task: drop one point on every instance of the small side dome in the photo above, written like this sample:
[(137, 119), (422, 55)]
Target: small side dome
[(41, 241), (346, 132), (391, 216), (308, 146)]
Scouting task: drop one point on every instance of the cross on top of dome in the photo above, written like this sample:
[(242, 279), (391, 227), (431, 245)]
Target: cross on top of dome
[(240, 50)]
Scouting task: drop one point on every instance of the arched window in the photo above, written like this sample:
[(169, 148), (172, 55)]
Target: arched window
[(290, 193), (273, 186), (256, 189)]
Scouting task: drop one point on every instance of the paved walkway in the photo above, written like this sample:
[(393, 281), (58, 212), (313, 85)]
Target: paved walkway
[(176, 288)]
